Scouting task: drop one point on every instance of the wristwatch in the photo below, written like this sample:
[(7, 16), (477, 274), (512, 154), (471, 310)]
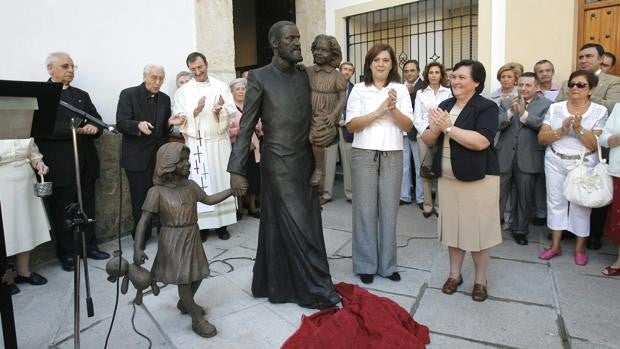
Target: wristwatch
[(448, 129)]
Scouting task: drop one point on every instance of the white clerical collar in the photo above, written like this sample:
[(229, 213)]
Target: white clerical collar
[(64, 87)]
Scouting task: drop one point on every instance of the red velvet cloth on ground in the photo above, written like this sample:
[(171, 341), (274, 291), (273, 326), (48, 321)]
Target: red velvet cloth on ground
[(365, 321)]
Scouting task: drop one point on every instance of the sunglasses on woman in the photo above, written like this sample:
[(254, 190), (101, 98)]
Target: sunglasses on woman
[(577, 84)]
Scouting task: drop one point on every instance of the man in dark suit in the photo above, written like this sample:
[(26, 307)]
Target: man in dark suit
[(57, 149), (411, 79), (521, 157), (142, 116)]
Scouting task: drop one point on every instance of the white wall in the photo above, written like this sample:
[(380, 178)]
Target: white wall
[(110, 41), (330, 10)]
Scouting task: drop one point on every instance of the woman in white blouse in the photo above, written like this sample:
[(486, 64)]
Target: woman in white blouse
[(569, 128), (378, 111), (429, 97)]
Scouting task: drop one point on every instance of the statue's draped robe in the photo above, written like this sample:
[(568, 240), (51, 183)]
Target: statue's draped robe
[(291, 262)]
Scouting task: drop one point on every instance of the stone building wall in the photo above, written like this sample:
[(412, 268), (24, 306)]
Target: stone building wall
[(215, 36), (310, 20)]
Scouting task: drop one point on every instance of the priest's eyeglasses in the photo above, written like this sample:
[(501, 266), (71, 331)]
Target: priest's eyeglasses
[(67, 66)]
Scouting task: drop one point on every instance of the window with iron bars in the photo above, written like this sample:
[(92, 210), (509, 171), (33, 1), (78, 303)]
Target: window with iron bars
[(428, 30)]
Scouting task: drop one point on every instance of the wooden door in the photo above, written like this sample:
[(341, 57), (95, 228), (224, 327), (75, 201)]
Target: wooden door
[(599, 22)]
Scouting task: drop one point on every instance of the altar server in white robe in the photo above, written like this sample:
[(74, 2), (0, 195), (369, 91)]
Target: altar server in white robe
[(208, 110)]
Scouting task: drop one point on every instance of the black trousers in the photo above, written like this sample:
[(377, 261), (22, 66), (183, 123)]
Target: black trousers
[(139, 184), (597, 222), (56, 203)]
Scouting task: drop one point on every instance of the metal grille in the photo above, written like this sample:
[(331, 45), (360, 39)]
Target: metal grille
[(427, 30)]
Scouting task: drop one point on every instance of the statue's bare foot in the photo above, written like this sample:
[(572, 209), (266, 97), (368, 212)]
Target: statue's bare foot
[(316, 177), (182, 309), (203, 328)]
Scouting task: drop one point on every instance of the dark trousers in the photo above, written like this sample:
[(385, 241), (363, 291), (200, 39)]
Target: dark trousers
[(598, 216), (525, 184), (139, 184), (61, 197)]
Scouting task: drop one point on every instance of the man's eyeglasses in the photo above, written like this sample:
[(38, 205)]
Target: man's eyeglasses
[(577, 84), (67, 66)]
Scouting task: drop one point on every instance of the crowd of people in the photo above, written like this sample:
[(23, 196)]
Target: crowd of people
[(482, 162)]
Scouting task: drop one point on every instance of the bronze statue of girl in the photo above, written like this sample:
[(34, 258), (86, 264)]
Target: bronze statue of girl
[(180, 258)]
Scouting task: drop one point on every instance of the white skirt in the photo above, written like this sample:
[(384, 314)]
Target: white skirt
[(23, 215)]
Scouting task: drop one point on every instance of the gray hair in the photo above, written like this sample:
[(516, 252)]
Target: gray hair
[(151, 66), (183, 73), (236, 82), (53, 57)]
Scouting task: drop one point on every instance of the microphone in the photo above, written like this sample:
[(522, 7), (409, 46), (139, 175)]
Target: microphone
[(88, 117)]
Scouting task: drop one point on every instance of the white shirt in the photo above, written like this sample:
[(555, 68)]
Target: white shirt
[(612, 127), (593, 119), (381, 135), (424, 100)]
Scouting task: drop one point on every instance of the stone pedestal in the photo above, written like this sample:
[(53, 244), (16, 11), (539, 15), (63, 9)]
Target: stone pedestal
[(108, 191)]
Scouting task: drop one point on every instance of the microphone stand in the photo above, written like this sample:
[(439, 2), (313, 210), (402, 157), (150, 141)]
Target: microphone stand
[(76, 222)]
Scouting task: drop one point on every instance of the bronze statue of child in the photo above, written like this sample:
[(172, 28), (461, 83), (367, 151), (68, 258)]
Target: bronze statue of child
[(328, 100), (180, 258)]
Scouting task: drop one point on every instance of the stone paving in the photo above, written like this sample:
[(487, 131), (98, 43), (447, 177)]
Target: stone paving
[(532, 303)]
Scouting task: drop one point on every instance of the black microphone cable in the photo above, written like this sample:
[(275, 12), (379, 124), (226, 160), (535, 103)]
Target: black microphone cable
[(120, 250), (120, 254)]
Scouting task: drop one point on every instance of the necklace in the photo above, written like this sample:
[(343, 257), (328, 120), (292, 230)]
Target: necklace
[(581, 109)]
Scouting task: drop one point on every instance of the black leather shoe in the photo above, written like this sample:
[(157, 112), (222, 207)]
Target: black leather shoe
[(421, 206), (13, 289), (66, 263), (395, 276), (223, 233), (33, 279), (203, 234), (255, 214), (594, 244), (539, 221), (97, 255), (402, 202), (367, 278), (520, 239), (427, 214)]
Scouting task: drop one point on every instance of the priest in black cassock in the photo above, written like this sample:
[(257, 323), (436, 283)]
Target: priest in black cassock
[(291, 262)]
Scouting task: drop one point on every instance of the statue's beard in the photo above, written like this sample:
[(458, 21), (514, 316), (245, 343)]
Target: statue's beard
[(293, 56)]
